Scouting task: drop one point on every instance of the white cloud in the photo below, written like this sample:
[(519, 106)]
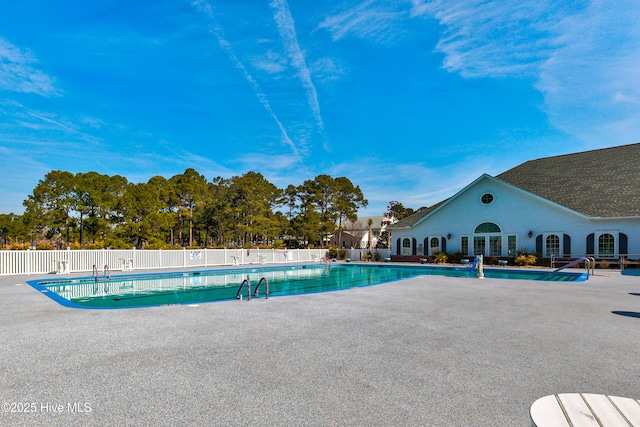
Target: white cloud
[(18, 75), (206, 9), (271, 163), (590, 81), (286, 28), (372, 20), (271, 62), (492, 38), (35, 128), (327, 69), (583, 57), (20, 176)]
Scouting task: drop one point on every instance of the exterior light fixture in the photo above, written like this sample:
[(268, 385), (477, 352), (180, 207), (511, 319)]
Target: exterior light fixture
[(448, 236), (530, 234)]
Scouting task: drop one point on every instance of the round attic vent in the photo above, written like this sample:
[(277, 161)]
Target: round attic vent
[(487, 198)]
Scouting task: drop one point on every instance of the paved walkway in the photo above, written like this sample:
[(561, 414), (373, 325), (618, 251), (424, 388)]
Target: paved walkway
[(429, 351)]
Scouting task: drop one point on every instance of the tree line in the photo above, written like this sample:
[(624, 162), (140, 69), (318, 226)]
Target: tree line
[(93, 210)]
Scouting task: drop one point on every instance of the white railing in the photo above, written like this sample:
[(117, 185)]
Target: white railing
[(619, 261), (77, 261)]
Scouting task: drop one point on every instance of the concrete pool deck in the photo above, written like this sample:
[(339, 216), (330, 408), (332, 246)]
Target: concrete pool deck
[(427, 351)]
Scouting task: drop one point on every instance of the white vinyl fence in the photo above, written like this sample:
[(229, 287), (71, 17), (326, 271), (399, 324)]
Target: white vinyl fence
[(76, 261), (376, 254)]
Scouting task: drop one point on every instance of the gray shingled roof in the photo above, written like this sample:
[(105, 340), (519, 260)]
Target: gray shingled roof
[(415, 217), (599, 183)]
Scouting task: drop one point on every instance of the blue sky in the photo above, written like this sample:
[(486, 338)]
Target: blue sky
[(411, 100)]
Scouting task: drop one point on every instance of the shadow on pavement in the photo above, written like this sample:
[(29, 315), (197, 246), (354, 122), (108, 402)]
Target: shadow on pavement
[(627, 313)]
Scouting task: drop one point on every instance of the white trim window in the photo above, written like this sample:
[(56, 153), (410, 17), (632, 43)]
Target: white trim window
[(512, 244), (552, 245), (464, 245), (606, 245), (479, 245), (495, 245), (406, 246), (434, 245)]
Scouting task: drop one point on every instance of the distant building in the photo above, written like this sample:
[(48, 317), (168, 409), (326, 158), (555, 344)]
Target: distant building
[(579, 204), (356, 234)]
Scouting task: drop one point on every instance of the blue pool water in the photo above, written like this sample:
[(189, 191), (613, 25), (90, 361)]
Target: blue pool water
[(145, 290)]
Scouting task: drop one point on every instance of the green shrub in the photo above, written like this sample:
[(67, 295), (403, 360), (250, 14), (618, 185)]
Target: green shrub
[(332, 253), (440, 257), (455, 257), (525, 259)]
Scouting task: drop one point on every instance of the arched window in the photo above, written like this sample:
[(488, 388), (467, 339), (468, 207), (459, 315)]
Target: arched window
[(434, 244), (552, 245), (487, 227), (406, 246), (606, 246)]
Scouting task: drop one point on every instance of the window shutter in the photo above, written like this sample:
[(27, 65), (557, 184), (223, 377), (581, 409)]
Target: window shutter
[(539, 243), (443, 246), (623, 244), (414, 244), (398, 251), (591, 244), (566, 245), (426, 246)]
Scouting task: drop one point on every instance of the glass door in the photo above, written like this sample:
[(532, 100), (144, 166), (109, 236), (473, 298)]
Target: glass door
[(479, 245)]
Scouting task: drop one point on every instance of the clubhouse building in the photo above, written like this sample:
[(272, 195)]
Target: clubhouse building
[(574, 205)]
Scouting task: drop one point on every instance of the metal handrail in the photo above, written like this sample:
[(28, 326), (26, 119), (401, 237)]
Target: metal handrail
[(592, 264), (266, 287), (589, 264), (238, 294)]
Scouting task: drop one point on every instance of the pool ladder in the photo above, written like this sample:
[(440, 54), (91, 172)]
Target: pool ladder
[(255, 292), (107, 272), (96, 274), (589, 264)]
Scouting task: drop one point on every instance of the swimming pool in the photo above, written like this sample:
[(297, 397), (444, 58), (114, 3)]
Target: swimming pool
[(193, 287)]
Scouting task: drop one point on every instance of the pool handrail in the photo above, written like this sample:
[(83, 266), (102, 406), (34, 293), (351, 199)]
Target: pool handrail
[(95, 272), (238, 294), (266, 287), (589, 264), (107, 271)]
